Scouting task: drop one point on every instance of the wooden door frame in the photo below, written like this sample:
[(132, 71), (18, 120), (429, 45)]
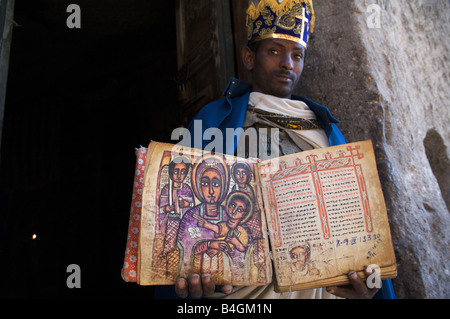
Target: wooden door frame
[(6, 29)]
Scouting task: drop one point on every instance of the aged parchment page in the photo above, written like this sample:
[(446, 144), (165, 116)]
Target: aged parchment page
[(326, 216), (201, 213)]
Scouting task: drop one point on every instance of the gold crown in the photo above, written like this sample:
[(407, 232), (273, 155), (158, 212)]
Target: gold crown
[(286, 19)]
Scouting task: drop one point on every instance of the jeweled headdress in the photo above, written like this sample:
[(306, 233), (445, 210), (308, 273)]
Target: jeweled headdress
[(286, 19)]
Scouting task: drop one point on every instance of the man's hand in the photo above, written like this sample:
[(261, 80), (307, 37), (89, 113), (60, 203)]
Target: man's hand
[(357, 289), (198, 286)]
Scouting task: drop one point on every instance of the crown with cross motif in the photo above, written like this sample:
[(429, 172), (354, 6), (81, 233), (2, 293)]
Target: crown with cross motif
[(284, 19)]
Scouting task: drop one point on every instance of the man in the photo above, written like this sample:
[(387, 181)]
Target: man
[(278, 34)]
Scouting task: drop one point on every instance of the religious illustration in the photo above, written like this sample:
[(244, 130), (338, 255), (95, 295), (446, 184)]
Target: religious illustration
[(177, 196), (175, 199), (242, 175), (209, 221), (300, 255)]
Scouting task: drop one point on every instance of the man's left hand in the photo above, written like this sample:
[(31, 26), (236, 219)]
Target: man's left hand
[(357, 289)]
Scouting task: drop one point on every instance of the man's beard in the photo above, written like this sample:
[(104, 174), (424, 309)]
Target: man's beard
[(285, 90)]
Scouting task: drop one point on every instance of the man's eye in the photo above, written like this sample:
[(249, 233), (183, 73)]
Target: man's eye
[(298, 57), (274, 51)]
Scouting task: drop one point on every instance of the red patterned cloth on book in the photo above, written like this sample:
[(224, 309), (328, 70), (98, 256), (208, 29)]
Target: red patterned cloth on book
[(129, 270)]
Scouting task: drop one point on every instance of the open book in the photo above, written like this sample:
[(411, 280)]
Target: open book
[(302, 220)]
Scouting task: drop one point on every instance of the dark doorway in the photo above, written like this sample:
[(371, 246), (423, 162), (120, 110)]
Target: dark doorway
[(78, 103)]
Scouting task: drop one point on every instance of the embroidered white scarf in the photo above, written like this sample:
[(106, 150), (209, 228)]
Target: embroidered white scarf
[(317, 138)]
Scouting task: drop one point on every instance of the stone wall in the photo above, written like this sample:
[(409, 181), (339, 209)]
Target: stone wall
[(382, 68)]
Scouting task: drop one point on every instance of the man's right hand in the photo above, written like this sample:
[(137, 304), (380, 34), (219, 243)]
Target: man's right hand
[(199, 286)]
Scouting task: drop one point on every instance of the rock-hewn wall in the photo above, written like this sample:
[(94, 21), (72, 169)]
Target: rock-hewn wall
[(382, 68)]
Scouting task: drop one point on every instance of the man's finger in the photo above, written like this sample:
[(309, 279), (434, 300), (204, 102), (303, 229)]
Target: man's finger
[(348, 293), (227, 289), (208, 285), (369, 271), (195, 286), (357, 283), (181, 288), (358, 287)]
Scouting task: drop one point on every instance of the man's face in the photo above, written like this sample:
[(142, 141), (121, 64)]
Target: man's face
[(276, 66)]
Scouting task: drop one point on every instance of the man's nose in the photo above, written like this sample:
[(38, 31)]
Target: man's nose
[(286, 62), (211, 189)]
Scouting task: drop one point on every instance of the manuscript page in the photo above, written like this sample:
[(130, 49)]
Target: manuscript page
[(186, 219), (326, 216)]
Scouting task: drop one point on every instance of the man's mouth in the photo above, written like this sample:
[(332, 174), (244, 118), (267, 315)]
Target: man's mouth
[(285, 76)]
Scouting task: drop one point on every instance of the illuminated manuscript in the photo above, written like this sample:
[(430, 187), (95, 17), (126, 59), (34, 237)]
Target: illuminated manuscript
[(323, 211), (326, 216)]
